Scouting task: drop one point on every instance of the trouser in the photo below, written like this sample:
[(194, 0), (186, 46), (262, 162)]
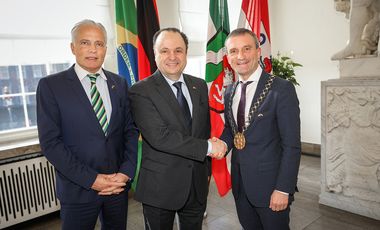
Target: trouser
[(190, 215), (112, 211)]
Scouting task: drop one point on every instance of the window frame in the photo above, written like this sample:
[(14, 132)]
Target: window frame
[(23, 136)]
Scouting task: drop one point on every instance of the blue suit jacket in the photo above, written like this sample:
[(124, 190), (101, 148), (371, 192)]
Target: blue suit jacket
[(271, 157), (71, 137)]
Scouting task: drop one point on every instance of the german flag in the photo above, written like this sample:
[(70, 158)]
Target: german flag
[(148, 25)]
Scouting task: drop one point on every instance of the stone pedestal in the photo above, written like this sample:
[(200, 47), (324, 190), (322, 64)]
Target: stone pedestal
[(363, 67), (350, 148)]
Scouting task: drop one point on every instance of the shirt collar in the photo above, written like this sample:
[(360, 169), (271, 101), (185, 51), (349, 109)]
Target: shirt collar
[(255, 76), (82, 73), (171, 82)]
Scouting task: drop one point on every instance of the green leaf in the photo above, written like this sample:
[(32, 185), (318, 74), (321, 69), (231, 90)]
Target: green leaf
[(283, 67), (297, 65)]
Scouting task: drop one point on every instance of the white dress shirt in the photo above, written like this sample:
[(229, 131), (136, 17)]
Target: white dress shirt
[(250, 93), (101, 85), (184, 88)]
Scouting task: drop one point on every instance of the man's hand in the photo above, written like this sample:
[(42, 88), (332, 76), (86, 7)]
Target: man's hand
[(219, 148), (120, 177), (116, 178), (103, 182), (278, 201)]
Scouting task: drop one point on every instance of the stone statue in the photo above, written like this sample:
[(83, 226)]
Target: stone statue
[(343, 6), (364, 27)]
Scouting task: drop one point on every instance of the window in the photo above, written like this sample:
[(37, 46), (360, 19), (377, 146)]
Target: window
[(18, 86), (40, 48)]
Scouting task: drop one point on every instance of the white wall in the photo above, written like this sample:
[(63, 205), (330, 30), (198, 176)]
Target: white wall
[(307, 30), (310, 32), (38, 31)]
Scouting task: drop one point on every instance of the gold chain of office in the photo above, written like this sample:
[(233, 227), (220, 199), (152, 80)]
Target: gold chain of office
[(239, 138)]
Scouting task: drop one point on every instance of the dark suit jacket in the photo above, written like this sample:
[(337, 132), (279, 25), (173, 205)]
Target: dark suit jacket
[(271, 157), (71, 137), (172, 157)]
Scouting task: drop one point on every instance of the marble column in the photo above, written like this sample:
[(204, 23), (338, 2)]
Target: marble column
[(350, 148)]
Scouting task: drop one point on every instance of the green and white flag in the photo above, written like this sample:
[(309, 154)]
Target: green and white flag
[(218, 75)]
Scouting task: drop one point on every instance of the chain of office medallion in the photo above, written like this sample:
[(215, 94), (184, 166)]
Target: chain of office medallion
[(253, 109)]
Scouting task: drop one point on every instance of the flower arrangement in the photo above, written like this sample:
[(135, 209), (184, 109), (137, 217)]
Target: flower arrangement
[(283, 67)]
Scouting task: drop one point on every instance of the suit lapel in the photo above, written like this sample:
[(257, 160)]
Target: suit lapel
[(163, 88), (77, 87), (230, 93), (112, 89), (195, 100), (259, 89), (260, 86), (166, 92)]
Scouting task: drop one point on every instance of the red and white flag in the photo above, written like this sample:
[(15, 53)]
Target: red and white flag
[(255, 17)]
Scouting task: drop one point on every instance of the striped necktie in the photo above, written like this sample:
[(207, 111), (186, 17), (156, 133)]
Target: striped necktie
[(97, 103)]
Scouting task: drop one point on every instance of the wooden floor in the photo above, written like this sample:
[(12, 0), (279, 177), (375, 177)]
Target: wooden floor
[(306, 213)]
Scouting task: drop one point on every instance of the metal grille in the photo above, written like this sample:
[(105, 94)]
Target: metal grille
[(27, 190)]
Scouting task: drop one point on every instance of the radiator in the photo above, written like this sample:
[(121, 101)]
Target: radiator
[(27, 190)]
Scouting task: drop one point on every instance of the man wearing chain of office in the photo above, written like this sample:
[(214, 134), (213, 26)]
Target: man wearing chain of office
[(262, 127)]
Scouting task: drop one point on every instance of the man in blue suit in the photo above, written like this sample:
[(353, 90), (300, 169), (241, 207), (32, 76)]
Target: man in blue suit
[(86, 131), (262, 126)]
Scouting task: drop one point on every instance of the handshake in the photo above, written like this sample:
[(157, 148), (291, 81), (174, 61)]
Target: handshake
[(219, 148)]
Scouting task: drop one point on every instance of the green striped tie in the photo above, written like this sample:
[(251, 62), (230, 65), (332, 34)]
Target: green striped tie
[(97, 103)]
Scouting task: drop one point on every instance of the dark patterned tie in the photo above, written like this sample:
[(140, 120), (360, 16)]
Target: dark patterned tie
[(97, 103), (241, 109), (183, 103)]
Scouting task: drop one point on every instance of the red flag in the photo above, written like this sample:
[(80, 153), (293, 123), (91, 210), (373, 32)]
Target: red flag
[(255, 17), (147, 26)]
